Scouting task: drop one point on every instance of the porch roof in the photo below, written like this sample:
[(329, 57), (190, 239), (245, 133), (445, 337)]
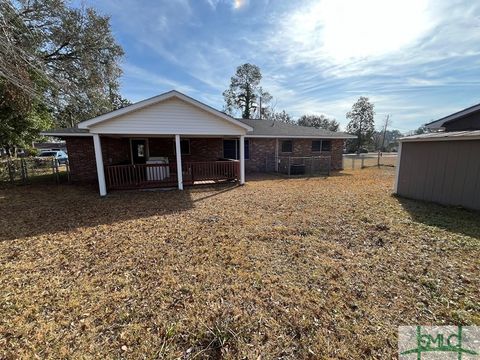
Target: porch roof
[(66, 132)]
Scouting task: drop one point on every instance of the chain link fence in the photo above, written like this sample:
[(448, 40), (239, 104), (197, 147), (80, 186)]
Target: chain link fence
[(361, 161), (23, 171), (299, 165)]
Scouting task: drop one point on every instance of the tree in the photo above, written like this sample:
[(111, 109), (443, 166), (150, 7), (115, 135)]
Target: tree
[(20, 119), (281, 116), (390, 141), (58, 61), (361, 122), (319, 122), (421, 130), (245, 92)]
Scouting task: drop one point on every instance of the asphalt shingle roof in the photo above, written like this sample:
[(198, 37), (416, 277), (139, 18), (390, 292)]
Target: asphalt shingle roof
[(66, 131), (264, 128), (274, 128)]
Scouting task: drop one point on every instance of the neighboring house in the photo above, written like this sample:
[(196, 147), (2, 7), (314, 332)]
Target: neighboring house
[(443, 166), (175, 140), (55, 146)]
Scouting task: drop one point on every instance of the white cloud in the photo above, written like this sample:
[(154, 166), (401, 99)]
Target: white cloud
[(154, 80), (316, 56)]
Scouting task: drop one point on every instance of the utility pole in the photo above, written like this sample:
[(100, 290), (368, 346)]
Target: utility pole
[(260, 109), (387, 118)]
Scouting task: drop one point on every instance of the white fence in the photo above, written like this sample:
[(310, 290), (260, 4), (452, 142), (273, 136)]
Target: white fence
[(354, 161)]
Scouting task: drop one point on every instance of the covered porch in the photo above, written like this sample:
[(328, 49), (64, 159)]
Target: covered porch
[(142, 162)]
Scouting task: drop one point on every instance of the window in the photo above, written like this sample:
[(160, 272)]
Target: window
[(287, 146), (321, 145), (141, 150), (231, 149), (326, 145), (185, 147)]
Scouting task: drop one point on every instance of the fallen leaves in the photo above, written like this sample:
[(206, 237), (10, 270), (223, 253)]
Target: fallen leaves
[(278, 268)]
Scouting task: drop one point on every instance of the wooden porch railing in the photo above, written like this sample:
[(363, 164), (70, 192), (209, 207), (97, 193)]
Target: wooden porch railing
[(141, 176), (212, 170), (165, 175)]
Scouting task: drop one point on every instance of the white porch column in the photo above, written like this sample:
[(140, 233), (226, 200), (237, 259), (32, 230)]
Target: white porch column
[(178, 151), (242, 159), (99, 160)]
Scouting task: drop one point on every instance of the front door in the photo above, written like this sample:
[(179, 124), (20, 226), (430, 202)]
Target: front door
[(139, 151)]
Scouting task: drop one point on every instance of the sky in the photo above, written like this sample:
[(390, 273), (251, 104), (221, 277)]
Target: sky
[(417, 60)]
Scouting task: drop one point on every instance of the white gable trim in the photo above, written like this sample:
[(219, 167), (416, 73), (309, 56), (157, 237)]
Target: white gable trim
[(156, 99)]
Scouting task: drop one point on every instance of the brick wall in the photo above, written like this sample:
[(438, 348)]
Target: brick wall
[(261, 148), (201, 149), (117, 151), (337, 154), (81, 156)]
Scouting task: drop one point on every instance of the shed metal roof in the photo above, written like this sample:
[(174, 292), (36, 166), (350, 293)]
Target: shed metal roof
[(444, 136)]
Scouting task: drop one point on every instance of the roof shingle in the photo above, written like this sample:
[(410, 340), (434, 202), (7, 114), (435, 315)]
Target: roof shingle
[(266, 128)]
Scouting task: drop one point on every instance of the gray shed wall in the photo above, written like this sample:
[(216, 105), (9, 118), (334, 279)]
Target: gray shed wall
[(446, 172)]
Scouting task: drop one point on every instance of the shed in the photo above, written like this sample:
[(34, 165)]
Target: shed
[(443, 166)]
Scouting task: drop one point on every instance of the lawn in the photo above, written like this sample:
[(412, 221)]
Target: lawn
[(278, 268)]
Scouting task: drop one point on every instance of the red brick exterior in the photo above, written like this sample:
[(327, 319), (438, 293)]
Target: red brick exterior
[(81, 156), (201, 149), (263, 149), (117, 151)]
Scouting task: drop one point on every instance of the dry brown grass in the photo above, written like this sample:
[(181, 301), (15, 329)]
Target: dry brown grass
[(282, 268)]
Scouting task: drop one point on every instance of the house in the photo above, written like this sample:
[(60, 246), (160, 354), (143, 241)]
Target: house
[(175, 140), (50, 146), (443, 166)]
